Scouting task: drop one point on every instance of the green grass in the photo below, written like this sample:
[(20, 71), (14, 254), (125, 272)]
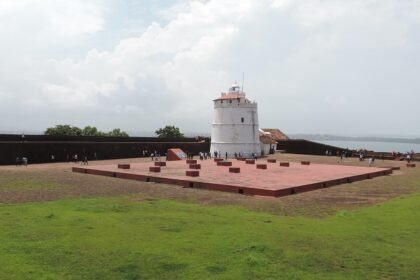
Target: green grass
[(121, 238)]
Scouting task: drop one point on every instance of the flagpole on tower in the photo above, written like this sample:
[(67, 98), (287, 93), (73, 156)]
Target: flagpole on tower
[(243, 81)]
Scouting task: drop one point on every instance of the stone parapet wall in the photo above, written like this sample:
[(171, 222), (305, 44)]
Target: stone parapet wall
[(38, 149)]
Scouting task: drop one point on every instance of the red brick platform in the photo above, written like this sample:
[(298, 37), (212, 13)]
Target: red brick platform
[(274, 181)]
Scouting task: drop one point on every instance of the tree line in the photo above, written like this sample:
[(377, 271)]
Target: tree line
[(69, 130), (168, 131)]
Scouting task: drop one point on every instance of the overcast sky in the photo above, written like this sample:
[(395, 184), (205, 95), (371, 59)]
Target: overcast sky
[(339, 67)]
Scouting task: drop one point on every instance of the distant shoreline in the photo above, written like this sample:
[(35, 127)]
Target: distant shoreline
[(326, 137), (378, 147)]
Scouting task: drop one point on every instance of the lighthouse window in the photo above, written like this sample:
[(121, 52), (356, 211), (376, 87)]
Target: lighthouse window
[(242, 120)]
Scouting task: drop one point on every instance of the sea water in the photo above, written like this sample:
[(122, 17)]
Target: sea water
[(373, 146)]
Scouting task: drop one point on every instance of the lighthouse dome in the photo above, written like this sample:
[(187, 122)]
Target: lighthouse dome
[(235, 88)]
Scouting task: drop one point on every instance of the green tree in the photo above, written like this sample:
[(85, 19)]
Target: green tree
[(90, 131), (117, 132), (169, 132), (63, 130), (68, 130)]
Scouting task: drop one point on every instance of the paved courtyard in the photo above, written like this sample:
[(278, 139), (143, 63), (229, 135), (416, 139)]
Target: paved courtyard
[(274, 181)]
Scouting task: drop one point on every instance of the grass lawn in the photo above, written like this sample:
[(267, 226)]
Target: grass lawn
[(28, 184), (131, 237)]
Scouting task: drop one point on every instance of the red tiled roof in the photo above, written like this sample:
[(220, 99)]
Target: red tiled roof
[(230, 96), (266, 139), (276, 134)]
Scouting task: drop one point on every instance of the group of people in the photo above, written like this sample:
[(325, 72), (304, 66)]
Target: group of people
[(363, 154), (75, 158), (69, 158), (371, 159), (408, 158), (155, 156), (204, 155), (341, 154), (218, 154), (346, 153)]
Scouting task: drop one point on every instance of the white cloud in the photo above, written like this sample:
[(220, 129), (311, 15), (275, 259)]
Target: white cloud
[(49, 19), (300, 58), (169, 53)]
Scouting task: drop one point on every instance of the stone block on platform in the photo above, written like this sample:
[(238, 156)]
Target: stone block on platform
[(271, 160), (218, 159), (261, 166), (411, 165), (304, 162), (284, 164), (195, 166), (234, 170), (191, 161), (192, 173), (124, 166), (155, 169), (224, 163), (250, 161), (160, 163)]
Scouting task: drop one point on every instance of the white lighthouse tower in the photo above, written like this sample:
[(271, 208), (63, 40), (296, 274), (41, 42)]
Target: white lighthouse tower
[(235, 125)]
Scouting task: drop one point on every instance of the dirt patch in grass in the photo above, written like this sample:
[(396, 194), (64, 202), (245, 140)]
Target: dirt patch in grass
[(46, 182)]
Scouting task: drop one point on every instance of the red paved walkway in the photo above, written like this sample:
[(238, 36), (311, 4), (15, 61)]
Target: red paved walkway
[(273, 181)]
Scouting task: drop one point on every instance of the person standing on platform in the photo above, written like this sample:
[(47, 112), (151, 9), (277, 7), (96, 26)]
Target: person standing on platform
[(85, 160)]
